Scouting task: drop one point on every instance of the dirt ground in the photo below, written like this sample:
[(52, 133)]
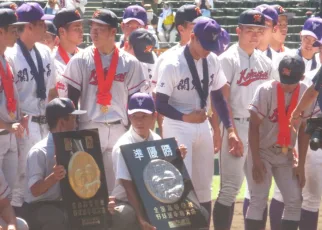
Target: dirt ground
[(238, 221)]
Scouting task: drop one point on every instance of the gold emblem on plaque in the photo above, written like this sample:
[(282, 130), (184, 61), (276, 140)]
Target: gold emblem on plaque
[(84, 175), (68, 144), (104, 108)]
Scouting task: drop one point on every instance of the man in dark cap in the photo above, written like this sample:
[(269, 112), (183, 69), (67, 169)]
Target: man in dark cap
[(51, 39)]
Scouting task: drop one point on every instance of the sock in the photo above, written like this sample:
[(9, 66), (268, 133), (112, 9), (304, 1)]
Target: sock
[(232, 210), (309, 220), (275, 214), (207, 207), (245, 207), (289, 225), (253, 224), (221, 216)]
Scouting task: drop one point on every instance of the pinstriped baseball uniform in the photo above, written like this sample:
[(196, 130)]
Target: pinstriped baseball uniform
[(276, 163), (244, 74), (129, 78)]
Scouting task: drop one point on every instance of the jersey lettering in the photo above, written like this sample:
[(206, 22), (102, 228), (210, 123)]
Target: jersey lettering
[(23, 75), (251, 76), (184, 84), (93, 78)]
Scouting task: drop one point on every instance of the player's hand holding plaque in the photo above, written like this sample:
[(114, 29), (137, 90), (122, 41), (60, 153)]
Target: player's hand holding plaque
[(164, 185), (84, 188)]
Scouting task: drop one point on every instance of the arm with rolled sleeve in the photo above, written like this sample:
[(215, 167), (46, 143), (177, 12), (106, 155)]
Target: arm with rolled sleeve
[(37, 182)]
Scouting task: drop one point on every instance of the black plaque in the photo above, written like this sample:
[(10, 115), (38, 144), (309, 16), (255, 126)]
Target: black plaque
[(84, 189), (157, 169)]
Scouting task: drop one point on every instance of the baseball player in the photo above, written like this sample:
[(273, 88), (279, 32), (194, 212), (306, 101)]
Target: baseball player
[(312, 190), (34, 76), (51, 39), (280, 31), (245, 69), (182, 98), (12, 123), (42, 190), (141, 111), (100, 79), (271, 18), (271, 141), (70, 32), (140, 45)]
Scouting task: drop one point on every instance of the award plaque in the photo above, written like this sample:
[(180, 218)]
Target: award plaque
[(163, 184), (84, 189)]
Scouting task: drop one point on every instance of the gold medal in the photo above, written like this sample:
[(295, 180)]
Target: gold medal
[(12, 115), (104, 109), (285, 150), (84, 175)]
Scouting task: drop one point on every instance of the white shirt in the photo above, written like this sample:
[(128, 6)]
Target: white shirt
[(81, 74), (25, 82), (244, 73), (120, 169), (73, 4)]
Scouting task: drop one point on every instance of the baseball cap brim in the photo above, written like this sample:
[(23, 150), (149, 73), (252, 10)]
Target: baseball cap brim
[(126, 20), (79, 20), (98, 21), (130, 112), (18, 23), (317, 43), (308, 32), (255, 25), (144, 57), (78, 112), (209, 46)]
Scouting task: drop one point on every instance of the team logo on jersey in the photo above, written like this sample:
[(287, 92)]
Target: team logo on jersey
[(251, 76), (148, 49), (184, 84), (286, 72), (257, 18), (140, 101), (274, 117), (93, 77), (197, 9), (315, 25)]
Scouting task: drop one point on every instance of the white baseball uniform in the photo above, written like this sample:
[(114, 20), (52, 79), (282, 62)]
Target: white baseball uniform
[(81, 74), (244, 73), (160, 60), (276, 163), (8, 142), (30, 104), (60, 65), (175, 80)]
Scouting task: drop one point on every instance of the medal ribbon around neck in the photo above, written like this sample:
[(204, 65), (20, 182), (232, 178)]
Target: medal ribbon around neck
[(104, 85), (64, 55), (7, 84), (284, 133)]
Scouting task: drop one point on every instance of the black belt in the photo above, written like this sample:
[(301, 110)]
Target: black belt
[(4, 132), (242, 119), (40, 120), (113, 123)]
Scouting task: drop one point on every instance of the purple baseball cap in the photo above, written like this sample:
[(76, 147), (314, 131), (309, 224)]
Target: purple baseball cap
[(136, 13), (222, 42), (141, 102), (30, 12), (269, 12), (313, 27), (207, 31)]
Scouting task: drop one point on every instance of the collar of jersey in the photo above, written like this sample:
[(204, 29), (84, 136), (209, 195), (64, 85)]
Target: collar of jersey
[(243, 53), (138, 138)]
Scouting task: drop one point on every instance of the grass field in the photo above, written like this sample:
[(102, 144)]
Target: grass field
[(240, 197)]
